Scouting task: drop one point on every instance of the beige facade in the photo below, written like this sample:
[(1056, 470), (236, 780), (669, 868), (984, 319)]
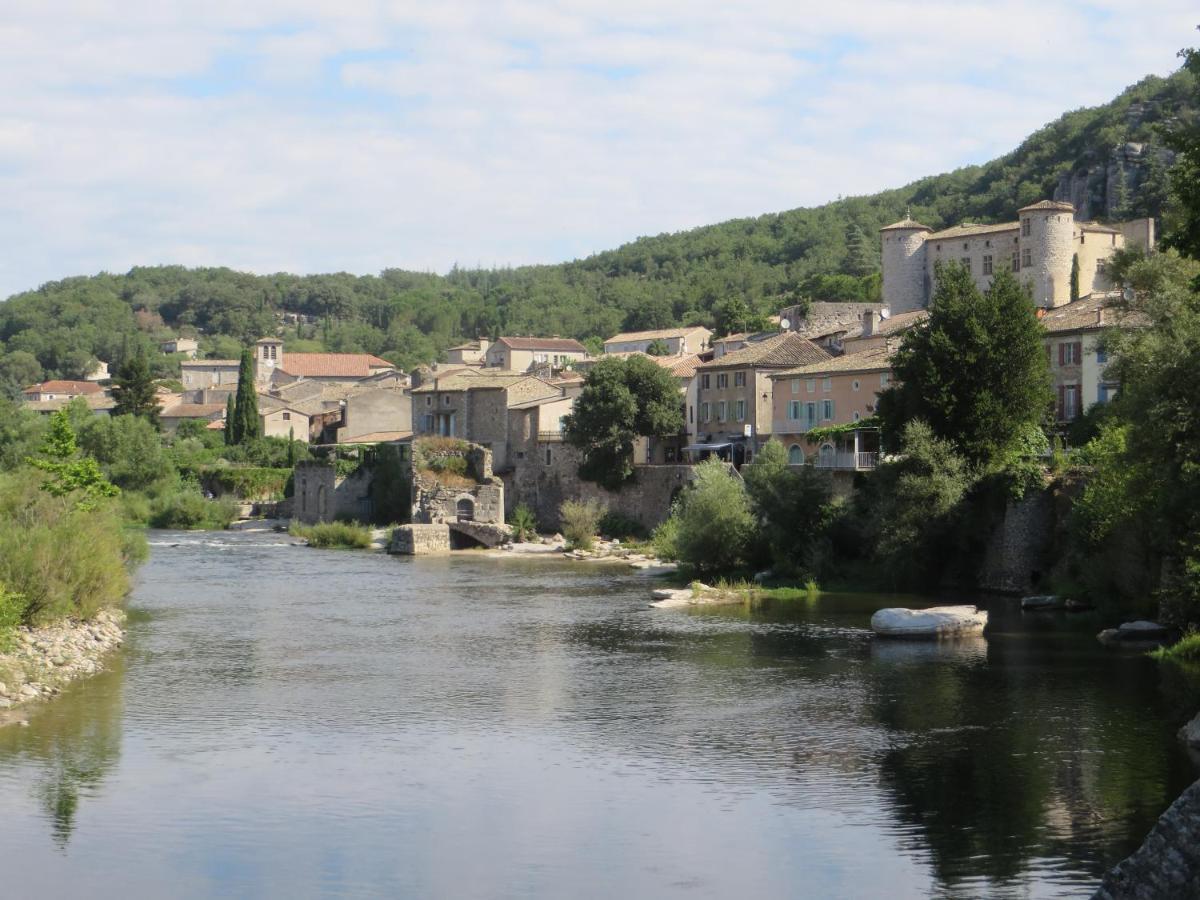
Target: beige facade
[(200, 374), (523, 354), (284, 423), (1078, 364), (379, 411), (187, 346), (471, 353), (1039, 248), (679, 341)]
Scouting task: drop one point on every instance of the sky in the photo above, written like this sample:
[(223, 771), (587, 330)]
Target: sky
[(358, 135)]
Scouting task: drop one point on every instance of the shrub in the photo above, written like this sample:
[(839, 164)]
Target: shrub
[(712, 520), (63, 560), (347, 535), (666, 539), (12, 611), (618, 525), (188, 509), (580, 521), (1186, 650), (524, 523)]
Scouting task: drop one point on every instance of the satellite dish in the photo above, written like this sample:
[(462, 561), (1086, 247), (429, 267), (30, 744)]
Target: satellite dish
[(785, 324)]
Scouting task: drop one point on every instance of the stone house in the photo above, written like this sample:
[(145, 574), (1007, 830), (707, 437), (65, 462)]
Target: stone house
[(372, 414), (61, 390), (475, 405), (732, 412), (842, 390), (187, 346), (174, 415), (880, 331), (679, 341), (1077, 361), (273, 366), (201, 374), (519, 354), (1039, 247), (470, 353)]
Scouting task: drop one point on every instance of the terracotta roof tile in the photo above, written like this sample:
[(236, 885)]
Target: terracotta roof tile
[(661, 333), (560, 344), (778, 351), (875, 359), (332, 365), (66, 387)]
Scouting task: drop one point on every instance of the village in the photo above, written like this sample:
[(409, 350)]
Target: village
[(811, 384)]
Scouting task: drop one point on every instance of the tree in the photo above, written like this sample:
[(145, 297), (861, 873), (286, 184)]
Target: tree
[(134, 391), (18, 370), (712, 521), (976, 372), (792, 507), (67, 472), (1183, 232), (862, 257), (128, 448), (621, 400), (246, 425), (1074, 277), (229, 414), (658, 347)]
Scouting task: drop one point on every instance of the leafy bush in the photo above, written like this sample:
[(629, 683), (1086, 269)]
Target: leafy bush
[(666, 539), (250, 483), (188, 509), (713, 524), (1186, 650), (61, 558), (618, 525), (12, 611), (580, 521), (524, 523), (347, 535)]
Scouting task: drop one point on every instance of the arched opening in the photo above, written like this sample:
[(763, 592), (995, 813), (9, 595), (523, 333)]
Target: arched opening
[(827, 456), (322, 503), (465, 509), (795, 455)]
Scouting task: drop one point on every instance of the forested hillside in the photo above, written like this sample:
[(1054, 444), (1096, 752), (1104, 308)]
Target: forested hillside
[(1108, 159)]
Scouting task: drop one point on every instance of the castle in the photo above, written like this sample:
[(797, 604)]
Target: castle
[(1040, 248)]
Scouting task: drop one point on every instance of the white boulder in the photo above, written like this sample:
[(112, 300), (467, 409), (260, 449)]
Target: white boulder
[(935, 622)]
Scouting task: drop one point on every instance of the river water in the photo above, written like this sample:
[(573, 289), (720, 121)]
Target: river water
[(289, 722)]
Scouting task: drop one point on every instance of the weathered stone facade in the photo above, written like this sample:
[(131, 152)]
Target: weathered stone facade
[(320, 496), (1017, 558), (420, 540), (548, 475), (434, 501)]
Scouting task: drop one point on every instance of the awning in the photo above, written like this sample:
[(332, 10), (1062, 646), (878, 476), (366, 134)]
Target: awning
[(698, 447)]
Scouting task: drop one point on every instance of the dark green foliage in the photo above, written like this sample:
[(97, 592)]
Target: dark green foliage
[(711, 523), (621, 400), (657, 347), (1183, 136), (523, 523), (620, 526), (18, 370), (129, 450), (792, 508), (333, 535), (1074, 277), (134, 390), (247, 426), (188, 509), (68, 474), (230, 410), (391, 487), (862, 253), (976, 373)]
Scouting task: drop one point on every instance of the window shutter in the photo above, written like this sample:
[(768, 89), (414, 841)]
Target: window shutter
[(1062, 354), (1062, 398), (1078, 352)]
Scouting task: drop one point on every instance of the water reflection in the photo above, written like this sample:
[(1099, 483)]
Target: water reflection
[(378, 726)]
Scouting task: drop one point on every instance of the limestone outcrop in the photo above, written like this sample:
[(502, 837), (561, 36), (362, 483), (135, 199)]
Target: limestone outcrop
[(1168, 862)]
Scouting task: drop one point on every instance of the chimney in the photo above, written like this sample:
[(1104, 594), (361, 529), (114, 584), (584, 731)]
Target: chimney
[(868, 323), (484, 343), (1100, 315)]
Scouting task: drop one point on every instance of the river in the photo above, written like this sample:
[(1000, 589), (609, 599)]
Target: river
[(289, 722)]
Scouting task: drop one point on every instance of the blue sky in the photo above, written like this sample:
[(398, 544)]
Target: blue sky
[(314, 135)]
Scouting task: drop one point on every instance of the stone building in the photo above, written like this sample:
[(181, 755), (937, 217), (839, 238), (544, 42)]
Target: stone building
[(520, 354), (1078, 362), (1039, 248), (679, 341), (732, 412)]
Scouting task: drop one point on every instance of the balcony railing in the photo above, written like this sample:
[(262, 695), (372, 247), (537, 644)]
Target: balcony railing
[(847, 460), (549, 436), (789, 426)]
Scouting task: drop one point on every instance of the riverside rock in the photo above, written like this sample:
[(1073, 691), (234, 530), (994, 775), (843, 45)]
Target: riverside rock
[(1043, 601), (935, 622)]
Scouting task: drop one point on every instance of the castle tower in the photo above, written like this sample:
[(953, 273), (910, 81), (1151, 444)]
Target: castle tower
[(268, 355), (1046, 244), (904, 286)]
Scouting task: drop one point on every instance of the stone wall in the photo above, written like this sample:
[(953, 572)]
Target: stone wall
[(543, 485), (420, 540), (480, 496), (320, 496), (1168, 863), (1019, 553)]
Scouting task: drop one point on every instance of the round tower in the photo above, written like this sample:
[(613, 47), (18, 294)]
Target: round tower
[(1047, 242), (904, 265)]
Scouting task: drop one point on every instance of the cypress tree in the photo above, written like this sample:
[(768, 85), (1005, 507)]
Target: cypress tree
[(1074, 277), (134, 390), (229, 414), (246, 425)]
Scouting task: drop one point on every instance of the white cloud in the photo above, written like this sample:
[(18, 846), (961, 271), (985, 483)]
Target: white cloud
[(318, 135)]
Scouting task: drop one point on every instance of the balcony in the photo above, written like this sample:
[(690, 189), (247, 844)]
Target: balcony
[(553, 436), (847, 460), (789, 426)]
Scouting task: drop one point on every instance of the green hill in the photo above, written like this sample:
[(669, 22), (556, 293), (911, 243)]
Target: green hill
[(1108, 160)]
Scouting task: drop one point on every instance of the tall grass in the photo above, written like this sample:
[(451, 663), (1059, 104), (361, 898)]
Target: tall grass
[(343, 535), (1185, 650), (580, 522), (188, 509)]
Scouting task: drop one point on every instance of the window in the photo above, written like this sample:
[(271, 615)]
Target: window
[(1106, 392), (704, 382), (854, 386), (826, 410), (1016, 263), (739, 411), (856, 416), (704, 416), (826, 385), (1068, 402), (1101, 355), (549, 457), (287, 417), (810, 415), (795, 385), (966, 263), (794, 410), (966, 245), (428, 420), (722, 380), (795, 455), (1026, 227), (721, 411), (1026, 258), (1070, 354), (885, 379), (691, 414), (739, 379), (445, 400), (428, 401), (811, 385), (670, 455), (987, 265), (1101, 266)]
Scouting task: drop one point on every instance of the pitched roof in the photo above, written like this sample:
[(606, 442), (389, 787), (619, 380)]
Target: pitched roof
[(193, 411), (332, 365), (907, 223), (891, 325), (193, 363), (466, 379), (679, 366), (66, 387), (968, 229), (1058, 205), (777, 351), (1094, 312), (560, 344), (873, 360), (658, 334)]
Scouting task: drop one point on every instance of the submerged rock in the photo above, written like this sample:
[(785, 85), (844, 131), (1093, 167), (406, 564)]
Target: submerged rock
[(1043, 601), (1137, 632), (935, 622)]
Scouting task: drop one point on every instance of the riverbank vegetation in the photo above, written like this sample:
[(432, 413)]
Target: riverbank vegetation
[(333, 535)]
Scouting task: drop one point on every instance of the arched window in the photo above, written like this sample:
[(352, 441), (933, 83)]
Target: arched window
[(466, 509), (827, 455), (795, 455)]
